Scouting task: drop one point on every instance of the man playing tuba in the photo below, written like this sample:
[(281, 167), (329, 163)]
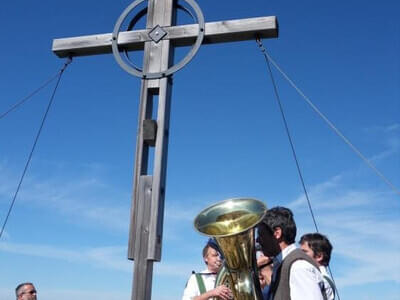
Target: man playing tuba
[(201, 286)]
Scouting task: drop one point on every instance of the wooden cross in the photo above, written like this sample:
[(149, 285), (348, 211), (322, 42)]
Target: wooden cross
[(147, 210)]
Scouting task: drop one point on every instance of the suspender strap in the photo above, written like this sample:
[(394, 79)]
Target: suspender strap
[(323, 290), (200, 283), (331, 283)]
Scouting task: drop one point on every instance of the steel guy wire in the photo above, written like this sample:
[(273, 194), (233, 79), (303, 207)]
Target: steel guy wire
[(30, 95), (34, 146), (267, 59), (330, 124)]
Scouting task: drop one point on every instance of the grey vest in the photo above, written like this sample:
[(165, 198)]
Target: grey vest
[(280, 288)]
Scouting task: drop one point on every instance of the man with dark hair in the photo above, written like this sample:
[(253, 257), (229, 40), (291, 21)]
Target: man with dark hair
[(25, 291), (201, 286), (318, 247), (295, 275)]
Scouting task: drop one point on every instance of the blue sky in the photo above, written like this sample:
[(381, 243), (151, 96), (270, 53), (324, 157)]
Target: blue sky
[(68, 231)]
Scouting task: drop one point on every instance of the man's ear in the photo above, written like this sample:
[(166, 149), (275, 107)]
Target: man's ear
[(278, 233), (319, 257)]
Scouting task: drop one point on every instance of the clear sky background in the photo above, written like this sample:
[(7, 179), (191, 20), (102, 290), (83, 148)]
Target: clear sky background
[(68, 231)]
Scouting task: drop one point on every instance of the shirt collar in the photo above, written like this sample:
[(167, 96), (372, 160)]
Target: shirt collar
[(323, 270), (208, 272), (285, 252)]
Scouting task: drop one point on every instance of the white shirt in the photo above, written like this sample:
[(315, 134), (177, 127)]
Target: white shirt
[(328, 288), (305, 280), (192, 288)]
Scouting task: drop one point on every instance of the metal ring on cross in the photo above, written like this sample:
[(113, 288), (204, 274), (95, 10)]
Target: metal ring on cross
[(156, 75)]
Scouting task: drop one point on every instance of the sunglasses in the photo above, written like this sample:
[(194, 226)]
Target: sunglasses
[(29, 292)]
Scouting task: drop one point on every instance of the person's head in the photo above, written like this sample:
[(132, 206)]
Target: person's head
[(318, 247), (212, 258), (25, 291), (276, 231)]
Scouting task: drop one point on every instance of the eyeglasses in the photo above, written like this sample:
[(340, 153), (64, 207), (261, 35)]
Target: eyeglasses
[(29, 292)]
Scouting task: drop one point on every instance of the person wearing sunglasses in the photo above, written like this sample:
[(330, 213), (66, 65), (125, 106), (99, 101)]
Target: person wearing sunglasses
[(26, 291)]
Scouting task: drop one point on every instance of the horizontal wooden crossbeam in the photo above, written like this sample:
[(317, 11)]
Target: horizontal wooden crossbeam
[(183, 35)]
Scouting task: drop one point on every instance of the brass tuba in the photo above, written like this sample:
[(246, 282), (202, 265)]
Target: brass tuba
[(232, 223)]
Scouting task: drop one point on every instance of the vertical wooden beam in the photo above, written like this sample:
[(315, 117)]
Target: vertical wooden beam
[(149, 191)]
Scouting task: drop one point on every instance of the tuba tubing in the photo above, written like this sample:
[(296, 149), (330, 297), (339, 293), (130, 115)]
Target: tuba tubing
[(232, 223)]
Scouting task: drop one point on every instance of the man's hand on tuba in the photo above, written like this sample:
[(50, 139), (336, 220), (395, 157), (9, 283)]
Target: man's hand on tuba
[(223, 292)]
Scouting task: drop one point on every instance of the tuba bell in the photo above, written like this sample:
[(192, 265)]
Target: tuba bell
[(232, 223)]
